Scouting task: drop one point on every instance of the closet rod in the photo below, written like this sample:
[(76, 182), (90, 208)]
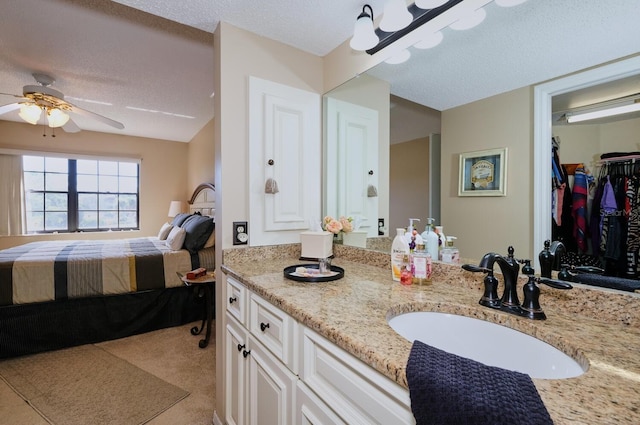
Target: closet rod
[(618, 159)]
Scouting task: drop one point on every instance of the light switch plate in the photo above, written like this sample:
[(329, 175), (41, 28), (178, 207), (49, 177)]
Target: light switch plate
[(240, 233)]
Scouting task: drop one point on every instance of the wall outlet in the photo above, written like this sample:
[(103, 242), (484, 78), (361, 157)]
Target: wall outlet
[(381, 227), (240, 233)]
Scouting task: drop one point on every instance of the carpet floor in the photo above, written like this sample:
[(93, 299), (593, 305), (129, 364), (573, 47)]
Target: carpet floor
[(168, 356)]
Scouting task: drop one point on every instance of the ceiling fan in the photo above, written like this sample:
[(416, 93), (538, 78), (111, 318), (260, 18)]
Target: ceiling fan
[(40, 98)]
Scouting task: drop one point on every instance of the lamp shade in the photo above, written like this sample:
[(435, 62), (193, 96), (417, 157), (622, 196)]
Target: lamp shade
[(175, 208), (429, 4), (396, 16), (57, 117), (30, 113), (364, 35)]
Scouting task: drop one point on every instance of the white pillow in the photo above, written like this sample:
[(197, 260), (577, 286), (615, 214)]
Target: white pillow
[(175, 240), (164, 231)]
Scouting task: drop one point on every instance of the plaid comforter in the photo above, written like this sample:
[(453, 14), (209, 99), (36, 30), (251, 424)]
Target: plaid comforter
[(54, 270)]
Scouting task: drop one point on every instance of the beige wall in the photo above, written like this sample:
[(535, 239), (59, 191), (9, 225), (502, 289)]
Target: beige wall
[(201, 157), (409, 184), (486, 224), (163, 171), (243, 54), (238, 55)]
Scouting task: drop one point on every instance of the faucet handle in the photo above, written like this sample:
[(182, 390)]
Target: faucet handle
[(558, 284), (476, 269)]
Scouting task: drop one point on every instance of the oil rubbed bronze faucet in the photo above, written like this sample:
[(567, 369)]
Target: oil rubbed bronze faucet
[(509, 302)]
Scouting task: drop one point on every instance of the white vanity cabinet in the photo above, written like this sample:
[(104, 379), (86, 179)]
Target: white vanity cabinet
[(259, 384), (278, 372)]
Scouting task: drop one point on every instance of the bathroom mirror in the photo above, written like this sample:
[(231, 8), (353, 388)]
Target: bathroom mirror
[(374, 144), (560, 94)]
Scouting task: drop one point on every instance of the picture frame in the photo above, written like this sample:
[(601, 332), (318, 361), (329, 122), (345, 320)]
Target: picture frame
[(483, 173)]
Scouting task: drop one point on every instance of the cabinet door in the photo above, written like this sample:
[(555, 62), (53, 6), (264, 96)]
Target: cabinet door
[(285, 145), (235, 373), (310, 410), (271, 388)]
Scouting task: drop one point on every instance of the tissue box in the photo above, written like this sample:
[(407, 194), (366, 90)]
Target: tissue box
[(316, 244), (355, 238)]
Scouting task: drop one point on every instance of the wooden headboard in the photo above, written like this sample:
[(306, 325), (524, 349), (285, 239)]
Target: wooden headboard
[(203, 200)]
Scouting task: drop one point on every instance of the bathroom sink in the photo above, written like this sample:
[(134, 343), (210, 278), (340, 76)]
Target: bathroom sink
[(488, 343)]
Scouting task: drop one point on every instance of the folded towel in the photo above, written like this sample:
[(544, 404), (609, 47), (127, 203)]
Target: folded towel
[(449, 389)]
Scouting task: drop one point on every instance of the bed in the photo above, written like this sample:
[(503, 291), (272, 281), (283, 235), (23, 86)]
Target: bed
[(57, 294)]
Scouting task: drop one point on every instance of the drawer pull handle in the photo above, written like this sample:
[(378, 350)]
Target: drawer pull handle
[(263, 326), (232, 300), (245, 353), (240, 347)]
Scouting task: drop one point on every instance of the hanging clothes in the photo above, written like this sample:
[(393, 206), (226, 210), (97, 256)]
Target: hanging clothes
[(579, 208)]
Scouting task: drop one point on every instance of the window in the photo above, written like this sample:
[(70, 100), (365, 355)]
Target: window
[(69, 195)]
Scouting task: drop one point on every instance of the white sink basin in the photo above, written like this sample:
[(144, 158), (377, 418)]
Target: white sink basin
[(488, 343)]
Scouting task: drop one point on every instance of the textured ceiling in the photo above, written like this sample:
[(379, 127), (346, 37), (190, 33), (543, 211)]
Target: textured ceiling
[(157, 56)]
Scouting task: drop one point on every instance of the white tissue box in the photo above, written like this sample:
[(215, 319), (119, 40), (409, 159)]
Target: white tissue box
[(316, 244), (355, 238)]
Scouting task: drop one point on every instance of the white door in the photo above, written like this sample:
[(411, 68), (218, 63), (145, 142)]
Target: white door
[(351, 164)]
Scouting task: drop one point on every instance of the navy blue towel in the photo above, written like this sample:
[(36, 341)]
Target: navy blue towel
[(449, 389)]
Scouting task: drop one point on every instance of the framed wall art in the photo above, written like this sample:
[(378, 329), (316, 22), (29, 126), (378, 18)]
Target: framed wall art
[(483, 173)]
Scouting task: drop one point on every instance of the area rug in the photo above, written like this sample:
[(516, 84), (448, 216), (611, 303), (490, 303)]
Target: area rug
[(87, 385)]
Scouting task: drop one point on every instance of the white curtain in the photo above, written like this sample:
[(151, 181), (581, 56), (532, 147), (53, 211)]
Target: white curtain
[(11, 195)]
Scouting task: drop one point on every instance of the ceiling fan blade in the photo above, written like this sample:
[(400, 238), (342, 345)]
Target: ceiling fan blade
[(71, 127), (95, 116), (8, 108)]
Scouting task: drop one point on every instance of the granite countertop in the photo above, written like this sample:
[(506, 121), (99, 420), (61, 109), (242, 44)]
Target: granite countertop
[(601, 330)]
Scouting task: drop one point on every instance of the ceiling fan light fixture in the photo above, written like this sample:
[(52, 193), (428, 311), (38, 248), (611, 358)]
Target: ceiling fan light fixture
[(57, 117), (364, 35), (30, 113), (396, 16)]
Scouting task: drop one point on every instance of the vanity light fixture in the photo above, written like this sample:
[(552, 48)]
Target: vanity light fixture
[(396, 16), (364, 35), (396, 24), (613, 108)]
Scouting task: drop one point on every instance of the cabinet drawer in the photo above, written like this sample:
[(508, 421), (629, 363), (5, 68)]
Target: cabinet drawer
[(236, 300), (355, 391), (273, 328)]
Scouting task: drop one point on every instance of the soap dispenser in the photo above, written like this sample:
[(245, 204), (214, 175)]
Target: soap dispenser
[(450, 253), (412, 236), (399, 248), (430, 239)]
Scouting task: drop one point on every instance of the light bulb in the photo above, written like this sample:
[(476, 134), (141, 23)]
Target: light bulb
[(364, 35), (30, 113), (396, 16), (57, 118), (429, 4)]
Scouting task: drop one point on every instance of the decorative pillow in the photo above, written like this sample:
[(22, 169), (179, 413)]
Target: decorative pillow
[(212, 238), (164, 231), (175, 240), (198, 230), (179, 219)]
